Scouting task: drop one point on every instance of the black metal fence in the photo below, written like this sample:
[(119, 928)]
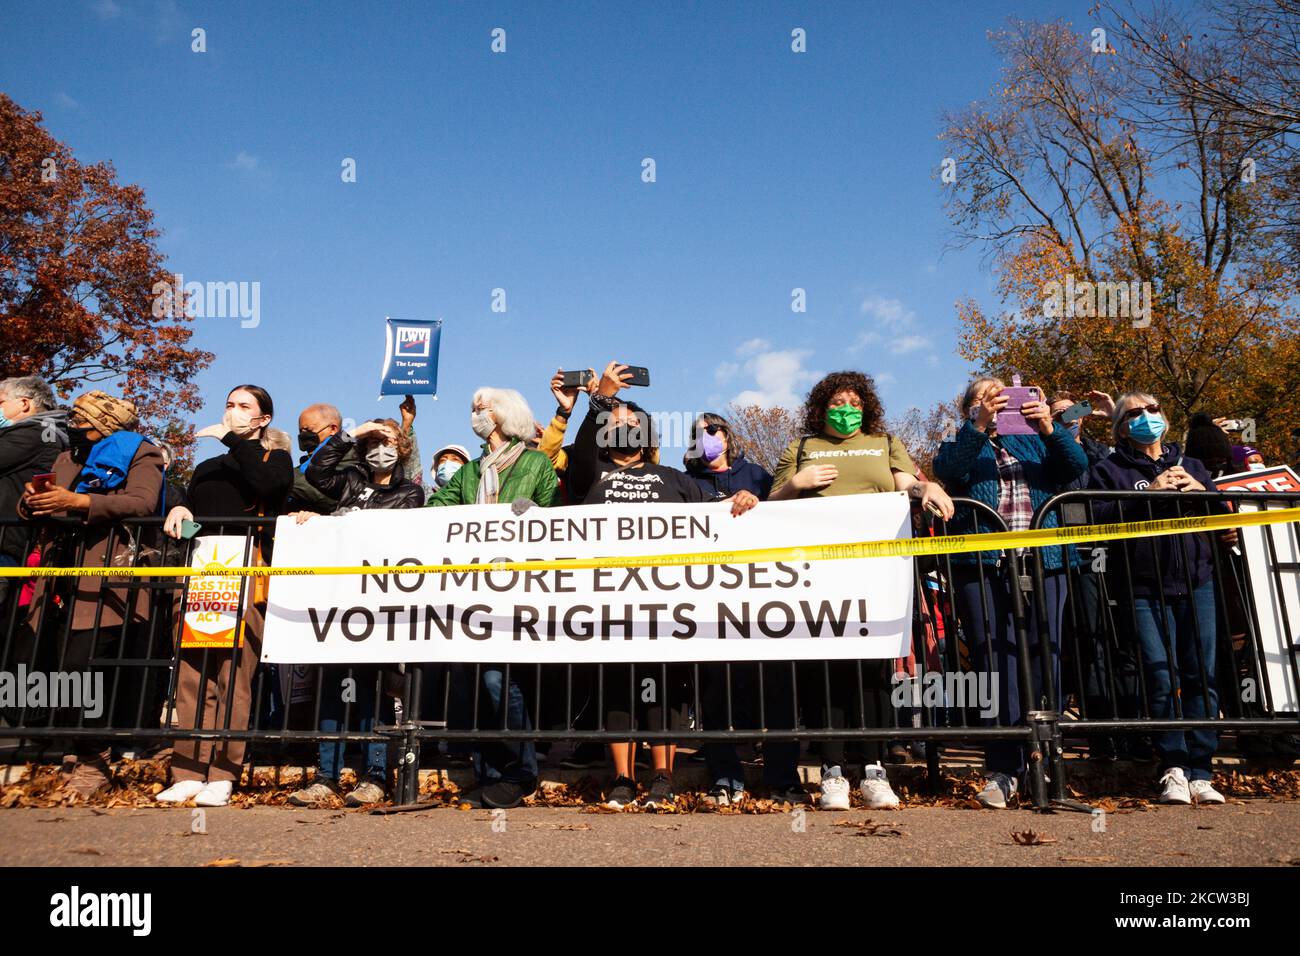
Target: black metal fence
[(978, 671)]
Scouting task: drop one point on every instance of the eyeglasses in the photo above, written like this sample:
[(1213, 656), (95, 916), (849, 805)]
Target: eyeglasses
[(1137, 410), (713, 429)]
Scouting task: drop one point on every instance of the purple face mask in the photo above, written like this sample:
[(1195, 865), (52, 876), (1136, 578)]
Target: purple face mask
[(711, 446)]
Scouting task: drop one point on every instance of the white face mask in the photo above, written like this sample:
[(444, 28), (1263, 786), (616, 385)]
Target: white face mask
[(382, 458), (238, 421), (483, 423)]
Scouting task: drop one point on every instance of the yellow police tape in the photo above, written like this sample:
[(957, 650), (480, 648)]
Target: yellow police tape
[(888, 548)]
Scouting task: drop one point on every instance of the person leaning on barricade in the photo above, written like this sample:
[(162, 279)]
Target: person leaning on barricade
[(628, 477), (507, 471), (109, 473), (1086, 614), (214, 686), (33, 431), (377, 481), (845, 450), (1166, 587), (715, 461), (1013, 474)]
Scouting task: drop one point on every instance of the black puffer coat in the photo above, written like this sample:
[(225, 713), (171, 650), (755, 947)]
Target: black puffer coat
[(353, 486)]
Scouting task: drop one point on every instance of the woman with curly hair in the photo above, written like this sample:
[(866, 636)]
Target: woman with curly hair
[(844, 423)]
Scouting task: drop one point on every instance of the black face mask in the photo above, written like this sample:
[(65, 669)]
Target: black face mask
[(79, 442), (624, 440), (308, 441)]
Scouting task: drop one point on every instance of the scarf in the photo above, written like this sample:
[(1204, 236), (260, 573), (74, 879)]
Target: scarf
[(492, 466)]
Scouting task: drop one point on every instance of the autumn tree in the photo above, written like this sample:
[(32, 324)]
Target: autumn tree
[(764, 433), (78, 266), (924, 432), (1081, 175)]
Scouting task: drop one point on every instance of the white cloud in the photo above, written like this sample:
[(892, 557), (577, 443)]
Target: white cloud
[(245, 162), (67, 102), (106, 9), (753, 347), (725, 372), (890, 327), (780, 379)]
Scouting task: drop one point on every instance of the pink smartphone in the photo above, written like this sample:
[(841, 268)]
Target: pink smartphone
[(1010, 420)]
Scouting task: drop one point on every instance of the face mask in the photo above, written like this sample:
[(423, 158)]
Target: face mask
[(308, 441), (623, 440), (239, 422), (382, 458), (845, 419), (4, 419), (445, 471), (1257, 466), (1074, 430), (711, 446), (78, 441), (1146, 428), (483, 423)]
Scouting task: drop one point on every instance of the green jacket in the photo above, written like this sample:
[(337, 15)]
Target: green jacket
[(531, 477)]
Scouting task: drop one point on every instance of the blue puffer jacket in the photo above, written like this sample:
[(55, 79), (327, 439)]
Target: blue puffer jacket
[(968, 468), (1159, 565)]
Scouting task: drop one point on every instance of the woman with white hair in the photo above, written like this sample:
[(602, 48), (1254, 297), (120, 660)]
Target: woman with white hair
[(1013, 474), (507, 471), (1168, 583)]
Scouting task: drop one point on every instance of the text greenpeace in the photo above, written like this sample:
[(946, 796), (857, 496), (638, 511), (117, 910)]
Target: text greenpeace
[(784, 610)]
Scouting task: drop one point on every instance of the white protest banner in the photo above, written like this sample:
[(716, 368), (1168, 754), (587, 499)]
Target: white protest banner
[(1275, 590), (831, 609)]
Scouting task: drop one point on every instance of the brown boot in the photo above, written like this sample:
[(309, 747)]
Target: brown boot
[(85, 778)]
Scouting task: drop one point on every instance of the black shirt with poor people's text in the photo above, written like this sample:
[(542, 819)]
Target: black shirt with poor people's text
[(643, 483)]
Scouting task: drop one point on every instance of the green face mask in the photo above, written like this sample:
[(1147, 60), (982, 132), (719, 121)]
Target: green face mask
[(845, 419)]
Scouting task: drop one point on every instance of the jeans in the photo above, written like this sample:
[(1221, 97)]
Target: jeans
[(362, 714), (780, 757), (1177, 641), (994, 650), (513, 760)]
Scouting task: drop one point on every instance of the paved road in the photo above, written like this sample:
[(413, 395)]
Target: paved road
[(1251, 833)]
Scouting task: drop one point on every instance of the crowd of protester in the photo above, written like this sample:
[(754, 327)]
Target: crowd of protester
[(1143, 628)]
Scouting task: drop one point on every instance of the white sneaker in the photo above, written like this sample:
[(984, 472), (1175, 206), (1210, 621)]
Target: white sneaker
[(1203, 792), (998, 790), (835, 791), (876, 791), (1176, 788), (180, 791), (214, 794)]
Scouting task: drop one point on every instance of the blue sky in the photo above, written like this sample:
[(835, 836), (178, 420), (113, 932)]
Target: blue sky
[(522, 171)]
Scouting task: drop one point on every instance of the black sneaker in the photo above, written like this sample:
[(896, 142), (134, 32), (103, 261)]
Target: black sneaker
[(505, 795), (621, 794), (794, 794), (661, 793)]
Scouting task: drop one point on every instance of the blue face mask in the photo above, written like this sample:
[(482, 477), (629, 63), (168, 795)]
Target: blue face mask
[(1146, 428), (4, 419), (1073, 429), (445, 471)]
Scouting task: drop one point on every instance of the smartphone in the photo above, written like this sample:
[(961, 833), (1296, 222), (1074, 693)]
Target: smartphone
[(41, 483), (1010, 419), (640, 375), (577, 379), (1234, 425), (1075, 412), (189, 528)]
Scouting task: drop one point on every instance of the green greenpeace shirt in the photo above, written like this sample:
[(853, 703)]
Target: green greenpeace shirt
[(866, 463)]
